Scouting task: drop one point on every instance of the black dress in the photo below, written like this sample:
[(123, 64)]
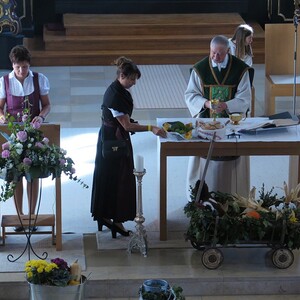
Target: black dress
[(114, 189)]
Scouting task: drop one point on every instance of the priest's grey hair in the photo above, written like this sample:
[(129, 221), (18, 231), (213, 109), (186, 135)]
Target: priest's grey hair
[(220, 40)]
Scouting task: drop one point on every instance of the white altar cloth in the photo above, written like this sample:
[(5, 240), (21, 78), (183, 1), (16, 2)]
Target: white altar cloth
[(279, 134)]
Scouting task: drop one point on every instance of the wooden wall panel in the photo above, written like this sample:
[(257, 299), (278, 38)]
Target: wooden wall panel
[(150, 6)]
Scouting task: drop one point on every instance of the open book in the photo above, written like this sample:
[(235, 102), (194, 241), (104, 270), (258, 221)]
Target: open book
[(269, 124)]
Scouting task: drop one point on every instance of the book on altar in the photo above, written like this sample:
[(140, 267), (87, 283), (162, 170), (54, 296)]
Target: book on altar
[(269, 125)]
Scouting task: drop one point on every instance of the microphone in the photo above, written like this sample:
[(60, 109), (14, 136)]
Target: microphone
[(297, 7), (296, 12)]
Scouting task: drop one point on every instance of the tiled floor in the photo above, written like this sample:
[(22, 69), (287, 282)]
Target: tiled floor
[(76, 94)]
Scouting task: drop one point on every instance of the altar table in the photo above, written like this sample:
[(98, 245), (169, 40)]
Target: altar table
[(52, 131), (284, 141)]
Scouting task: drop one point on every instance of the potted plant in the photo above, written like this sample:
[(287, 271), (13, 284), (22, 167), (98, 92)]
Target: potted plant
[(158, 289), (55, 280), (29, 153)]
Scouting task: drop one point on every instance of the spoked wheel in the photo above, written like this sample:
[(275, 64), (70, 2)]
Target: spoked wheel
[(212, 258), (197, 246), (282, 258)]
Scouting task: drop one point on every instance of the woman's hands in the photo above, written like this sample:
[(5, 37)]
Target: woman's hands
[(3, 119), (159, 131), (124, 120), (38, 119)]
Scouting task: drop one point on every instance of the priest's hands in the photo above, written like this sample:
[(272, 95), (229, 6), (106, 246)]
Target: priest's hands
[(221, 107)]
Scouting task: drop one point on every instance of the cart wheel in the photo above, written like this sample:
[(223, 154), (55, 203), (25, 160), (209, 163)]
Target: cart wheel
[(212, 258), (282, 258), (197, 246)]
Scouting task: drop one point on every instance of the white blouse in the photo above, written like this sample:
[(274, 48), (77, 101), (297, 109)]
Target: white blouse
[(17, 89)]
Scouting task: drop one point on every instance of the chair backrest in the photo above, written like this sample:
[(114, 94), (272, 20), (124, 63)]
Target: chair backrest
[(280, 49)]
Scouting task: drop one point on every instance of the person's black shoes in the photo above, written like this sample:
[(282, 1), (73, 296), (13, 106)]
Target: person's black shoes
[(18, 228), (104, 222), (21, 228), (116, 229)]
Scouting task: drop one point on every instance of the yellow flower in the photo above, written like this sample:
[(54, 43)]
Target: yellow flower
[(50, 267), (293, 218), (28, 263), (56, 272), (29, 274)]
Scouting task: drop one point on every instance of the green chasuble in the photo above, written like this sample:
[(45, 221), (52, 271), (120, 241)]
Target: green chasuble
[(221, 85)]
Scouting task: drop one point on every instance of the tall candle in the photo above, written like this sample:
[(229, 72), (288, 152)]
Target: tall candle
[(139, 163)]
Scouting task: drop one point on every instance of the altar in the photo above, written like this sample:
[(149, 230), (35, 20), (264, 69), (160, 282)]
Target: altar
[(277, 141)]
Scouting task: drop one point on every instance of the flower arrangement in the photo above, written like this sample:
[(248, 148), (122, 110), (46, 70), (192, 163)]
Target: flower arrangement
[(157, 289), (57, 272), (29, 153), (226, 219), (176, 293)]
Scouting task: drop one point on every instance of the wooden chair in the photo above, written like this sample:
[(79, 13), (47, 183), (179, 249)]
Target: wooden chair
[(279, 63)]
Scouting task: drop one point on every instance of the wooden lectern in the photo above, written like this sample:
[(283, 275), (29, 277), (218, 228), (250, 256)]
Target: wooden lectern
[(52, 132)]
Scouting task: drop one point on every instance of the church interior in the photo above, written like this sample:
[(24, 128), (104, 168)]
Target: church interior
[(74, 44)]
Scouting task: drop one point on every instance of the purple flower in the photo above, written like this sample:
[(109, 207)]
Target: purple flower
[(22, 136), (45, 140), (63, 265), (73, 171), (36, 125), (6, 146), (27, 161), (5, 154), (62, 161), (39, 145), (24, 117)]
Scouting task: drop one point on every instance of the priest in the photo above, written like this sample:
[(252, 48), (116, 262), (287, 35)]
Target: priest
[(226, 78)]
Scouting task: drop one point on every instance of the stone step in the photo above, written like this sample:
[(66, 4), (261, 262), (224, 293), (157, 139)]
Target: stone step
[(168, 42), (147, 39), (144, 57), (150, 24), (233, 288)]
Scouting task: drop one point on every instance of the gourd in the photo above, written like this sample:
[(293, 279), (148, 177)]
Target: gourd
[(75, 270)]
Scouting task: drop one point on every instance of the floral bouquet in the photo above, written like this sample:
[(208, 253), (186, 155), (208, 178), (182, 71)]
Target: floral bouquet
[(29, 153), (57, 272)]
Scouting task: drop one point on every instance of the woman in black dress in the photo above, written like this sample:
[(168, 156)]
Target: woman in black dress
[(114, 191)]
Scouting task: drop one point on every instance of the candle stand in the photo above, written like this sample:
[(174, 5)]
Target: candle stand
[(138, 240)]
